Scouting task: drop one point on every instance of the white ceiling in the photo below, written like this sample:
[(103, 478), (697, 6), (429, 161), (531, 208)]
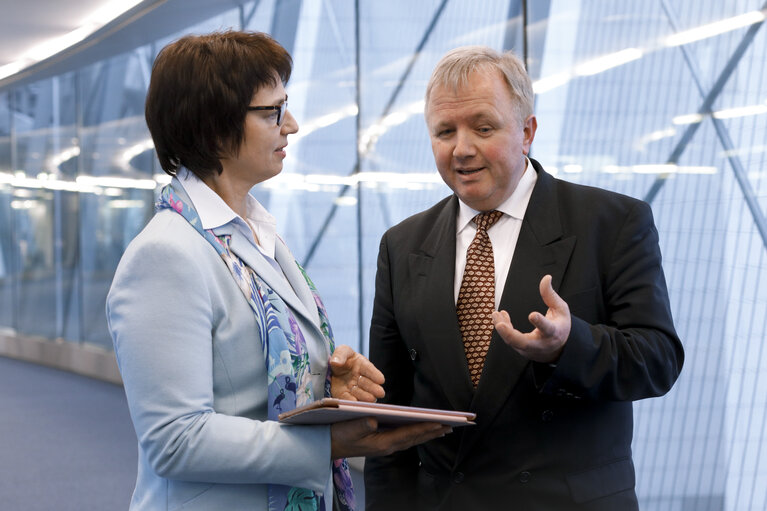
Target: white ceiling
[(26, 23)]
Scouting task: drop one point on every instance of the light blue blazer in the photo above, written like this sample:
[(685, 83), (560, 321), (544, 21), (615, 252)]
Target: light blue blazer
[(193, 369)]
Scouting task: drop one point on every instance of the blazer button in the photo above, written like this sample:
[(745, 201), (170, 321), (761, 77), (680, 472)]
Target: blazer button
[(524, 477), (413, 354), (458, 477), (547, 416)]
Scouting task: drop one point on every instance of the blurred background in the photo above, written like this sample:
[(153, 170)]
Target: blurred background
[(663, 100)]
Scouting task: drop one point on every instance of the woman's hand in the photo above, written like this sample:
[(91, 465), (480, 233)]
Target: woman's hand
[(354, 377), (360, 437)]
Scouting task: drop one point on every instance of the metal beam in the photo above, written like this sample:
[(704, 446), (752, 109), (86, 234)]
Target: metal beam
[(386, 110), (357, 164), (285, 23), (721, 130), (705, 107), (246, 18)]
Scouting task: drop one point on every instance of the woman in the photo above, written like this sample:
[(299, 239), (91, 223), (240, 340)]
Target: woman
[(216, 327)]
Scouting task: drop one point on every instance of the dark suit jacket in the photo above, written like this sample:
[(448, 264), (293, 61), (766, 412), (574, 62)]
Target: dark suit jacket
[(546, 438)]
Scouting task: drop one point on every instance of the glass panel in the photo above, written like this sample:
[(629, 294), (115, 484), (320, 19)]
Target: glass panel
[(117, 195), (38, 135), (7, 274), (617, 107), (44, 208)]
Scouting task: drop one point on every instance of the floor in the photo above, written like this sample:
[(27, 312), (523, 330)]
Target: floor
[(66, 441)]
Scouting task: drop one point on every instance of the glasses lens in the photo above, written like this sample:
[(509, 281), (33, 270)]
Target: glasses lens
[(281, 113)]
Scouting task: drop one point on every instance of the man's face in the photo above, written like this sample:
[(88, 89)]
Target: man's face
[(479, 143)]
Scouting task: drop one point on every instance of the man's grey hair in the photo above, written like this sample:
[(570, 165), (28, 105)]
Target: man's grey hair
[(453, 71)]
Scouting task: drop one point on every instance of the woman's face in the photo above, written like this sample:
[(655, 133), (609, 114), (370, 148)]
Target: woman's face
[(263, 147)]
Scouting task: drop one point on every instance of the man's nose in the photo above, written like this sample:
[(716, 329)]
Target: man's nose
[(464, 145)]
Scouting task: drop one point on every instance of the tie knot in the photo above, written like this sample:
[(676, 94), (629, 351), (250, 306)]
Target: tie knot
[(486, 220)]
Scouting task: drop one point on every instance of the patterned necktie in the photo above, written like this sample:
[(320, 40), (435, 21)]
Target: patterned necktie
[(476, 299)]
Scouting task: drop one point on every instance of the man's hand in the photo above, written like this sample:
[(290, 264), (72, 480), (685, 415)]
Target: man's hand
[(354, 377), (546, 342), (360, 437)]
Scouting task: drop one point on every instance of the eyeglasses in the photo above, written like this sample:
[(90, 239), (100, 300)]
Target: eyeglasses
[(281, 108)]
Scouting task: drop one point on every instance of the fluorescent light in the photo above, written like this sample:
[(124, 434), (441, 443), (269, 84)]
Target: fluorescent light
[(346, 200), (58, 44), (111, 10), (25, 204), (654, 136), (551, 82), (690, 169), (13, 68), (742, 111), (741, 151), (331, 182), (126, 203), (54, 162), (133, 151), (117, 182), (716, 28), (609, 61), (324, 121), (654, 169), (162, 179), (671, 169), (661, 134), (687, 119), (727, 113), (97, 19), (371, 135)]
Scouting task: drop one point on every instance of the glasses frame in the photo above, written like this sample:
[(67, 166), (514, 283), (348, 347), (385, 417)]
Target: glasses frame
[(281, 109)]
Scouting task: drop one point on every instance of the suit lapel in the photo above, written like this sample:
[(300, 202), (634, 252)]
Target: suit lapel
[(434, 263), (541, 250)]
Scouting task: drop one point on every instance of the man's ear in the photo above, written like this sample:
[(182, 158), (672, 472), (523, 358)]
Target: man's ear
[(531, 124)]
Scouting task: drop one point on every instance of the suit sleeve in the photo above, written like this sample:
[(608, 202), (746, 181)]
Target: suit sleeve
[(160, 310), (634, 353), (390, 481)]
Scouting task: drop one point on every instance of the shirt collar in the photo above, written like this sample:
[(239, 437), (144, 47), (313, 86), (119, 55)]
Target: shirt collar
[(214, 212), (515, 206)]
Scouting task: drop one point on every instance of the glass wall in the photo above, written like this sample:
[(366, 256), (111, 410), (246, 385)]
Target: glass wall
[(661, 100)]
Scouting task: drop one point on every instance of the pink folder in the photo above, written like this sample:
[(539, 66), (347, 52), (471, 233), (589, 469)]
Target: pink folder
[(329, 410)]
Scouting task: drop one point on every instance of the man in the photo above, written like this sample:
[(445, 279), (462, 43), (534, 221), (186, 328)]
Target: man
[(577, 269)]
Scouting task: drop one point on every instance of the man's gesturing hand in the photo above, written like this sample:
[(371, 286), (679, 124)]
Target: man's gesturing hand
[(546, 341)]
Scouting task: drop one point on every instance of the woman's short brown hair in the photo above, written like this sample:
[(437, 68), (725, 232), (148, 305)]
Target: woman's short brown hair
[(199, 91)]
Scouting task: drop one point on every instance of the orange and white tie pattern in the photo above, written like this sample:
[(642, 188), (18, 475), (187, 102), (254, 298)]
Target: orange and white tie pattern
[(476, 298)]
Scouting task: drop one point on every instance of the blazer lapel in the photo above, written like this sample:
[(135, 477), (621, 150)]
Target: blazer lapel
[(434, 262), (246, 251), (541, 250), (298, 297), (297, 281)]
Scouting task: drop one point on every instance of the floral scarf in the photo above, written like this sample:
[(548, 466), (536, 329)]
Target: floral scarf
[(287, 359)]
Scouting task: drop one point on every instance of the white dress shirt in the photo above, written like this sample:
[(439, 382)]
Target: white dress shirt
[(503, 234)]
